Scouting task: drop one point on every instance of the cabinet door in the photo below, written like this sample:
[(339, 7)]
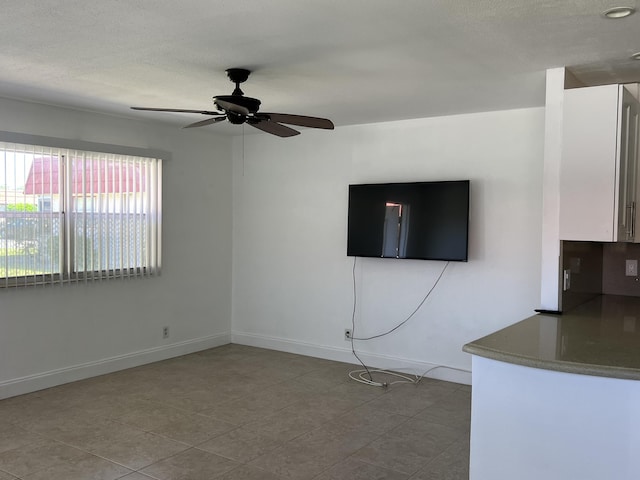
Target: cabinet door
[(634, 157), (589, 169)]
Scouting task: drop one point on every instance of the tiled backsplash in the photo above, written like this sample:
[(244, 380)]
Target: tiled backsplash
[(597, 268), (583, 261), (614, 280)]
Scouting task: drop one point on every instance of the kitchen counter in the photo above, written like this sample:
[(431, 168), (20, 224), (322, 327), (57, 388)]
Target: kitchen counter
[(557, 396), (600, 337)]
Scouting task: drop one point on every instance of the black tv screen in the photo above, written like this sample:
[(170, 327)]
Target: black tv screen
[(420, 220)]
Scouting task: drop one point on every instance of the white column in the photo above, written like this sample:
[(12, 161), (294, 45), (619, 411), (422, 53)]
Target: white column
[(550, 279)]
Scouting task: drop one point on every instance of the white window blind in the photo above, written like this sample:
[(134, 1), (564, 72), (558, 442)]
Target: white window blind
[(70, 215)]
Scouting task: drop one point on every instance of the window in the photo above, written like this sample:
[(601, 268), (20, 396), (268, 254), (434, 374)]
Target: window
[(70, 215)]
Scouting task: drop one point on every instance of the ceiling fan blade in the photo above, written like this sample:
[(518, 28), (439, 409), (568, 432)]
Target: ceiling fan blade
[(231, 107), (176, 110), (208, 121), (302, 120), (272, 127)]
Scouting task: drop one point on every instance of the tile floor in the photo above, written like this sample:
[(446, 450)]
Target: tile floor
[(232, 413)]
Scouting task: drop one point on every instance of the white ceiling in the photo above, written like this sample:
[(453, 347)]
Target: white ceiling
[(353, 61)]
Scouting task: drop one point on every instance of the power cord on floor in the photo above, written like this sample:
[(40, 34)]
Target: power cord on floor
[(359, 375)]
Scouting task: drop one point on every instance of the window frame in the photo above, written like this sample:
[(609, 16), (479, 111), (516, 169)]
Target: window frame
[(67, 273)]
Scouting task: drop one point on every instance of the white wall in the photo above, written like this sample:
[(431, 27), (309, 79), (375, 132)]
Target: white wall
[(292, 282), (57, 334)]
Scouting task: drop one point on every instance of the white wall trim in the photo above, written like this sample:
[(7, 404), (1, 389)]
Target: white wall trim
[(32, 383), (442, 372), (550, 264)]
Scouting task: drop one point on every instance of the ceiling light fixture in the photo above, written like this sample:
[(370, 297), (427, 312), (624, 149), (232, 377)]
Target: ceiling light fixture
[(618, 12), (635, 56)]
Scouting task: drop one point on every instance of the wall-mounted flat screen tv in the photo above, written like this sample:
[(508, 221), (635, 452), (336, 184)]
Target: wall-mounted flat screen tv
[(419, 220)]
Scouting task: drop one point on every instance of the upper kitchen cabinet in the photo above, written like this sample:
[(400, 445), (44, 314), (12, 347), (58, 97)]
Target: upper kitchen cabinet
[(599, 165)]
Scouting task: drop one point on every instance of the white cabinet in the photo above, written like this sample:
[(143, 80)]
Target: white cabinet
[(599, 165)]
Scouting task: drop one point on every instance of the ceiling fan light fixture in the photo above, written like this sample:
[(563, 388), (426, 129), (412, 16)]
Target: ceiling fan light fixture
[(618, 12), (236, 118)]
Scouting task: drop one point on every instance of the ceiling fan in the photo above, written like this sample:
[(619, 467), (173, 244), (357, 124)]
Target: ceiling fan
[(239, 109)]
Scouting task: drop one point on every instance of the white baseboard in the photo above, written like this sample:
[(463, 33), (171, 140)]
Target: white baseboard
[(52, 378), (440, 372)]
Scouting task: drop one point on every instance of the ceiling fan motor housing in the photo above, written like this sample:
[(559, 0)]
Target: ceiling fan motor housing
[(251, 104)]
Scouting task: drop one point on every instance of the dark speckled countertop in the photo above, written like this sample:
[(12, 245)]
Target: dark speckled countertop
[(600, 337)]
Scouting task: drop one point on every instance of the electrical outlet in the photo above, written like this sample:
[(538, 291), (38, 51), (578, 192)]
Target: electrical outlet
[(574, 264), (347, 334), (631, 268), (165, 332)]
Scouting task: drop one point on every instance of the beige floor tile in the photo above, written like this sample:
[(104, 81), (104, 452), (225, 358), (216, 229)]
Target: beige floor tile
[(94, 435), (29, 407), (137, 451), (401, 402), (37, 456), (176, 424), (398, 454), (241, 445), (264, 377), (419, 431), (136, 476), (284, 425), (247, 472), (320, 408), (334, 444), (357, 391), (252, 407), (323, 379), (88, 467), (431, 383), (452, 464), (371, 419), (237, 386), (337, 370), (193, 429), (295, 462), (196, 400), (80, 431), (455, 414), (351, 469), (465, 388), (13, 436), (293, 364), (312, 453), (192, 464), (148, 415), (74, 394), (108, 405), (250, 413)]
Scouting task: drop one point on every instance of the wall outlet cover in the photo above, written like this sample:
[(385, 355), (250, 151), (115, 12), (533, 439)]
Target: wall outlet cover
[(631, 268)]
